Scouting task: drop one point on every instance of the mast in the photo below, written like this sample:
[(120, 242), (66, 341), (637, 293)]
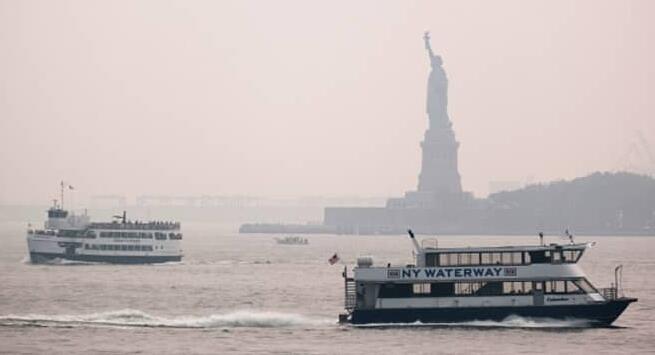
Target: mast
[(62, 194)]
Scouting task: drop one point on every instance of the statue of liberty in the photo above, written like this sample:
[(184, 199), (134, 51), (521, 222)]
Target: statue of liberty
[(437, 100)]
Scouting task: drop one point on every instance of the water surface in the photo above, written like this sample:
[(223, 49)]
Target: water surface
[(247, 294)]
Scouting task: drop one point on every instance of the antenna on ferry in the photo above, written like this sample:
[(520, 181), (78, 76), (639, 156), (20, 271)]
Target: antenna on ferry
[(411, 236), (541, 238), (569, 235), (61, 185)]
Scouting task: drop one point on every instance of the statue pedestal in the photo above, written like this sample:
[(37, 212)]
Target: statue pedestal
[(439, 168)]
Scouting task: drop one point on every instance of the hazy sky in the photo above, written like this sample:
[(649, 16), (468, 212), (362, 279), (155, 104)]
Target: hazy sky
[(293, 98)]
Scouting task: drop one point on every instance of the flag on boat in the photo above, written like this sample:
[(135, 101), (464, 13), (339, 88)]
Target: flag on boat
[(70, 187), (333, 260)]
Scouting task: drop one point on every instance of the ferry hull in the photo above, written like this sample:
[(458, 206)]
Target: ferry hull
[(601, 314), (114, 259)]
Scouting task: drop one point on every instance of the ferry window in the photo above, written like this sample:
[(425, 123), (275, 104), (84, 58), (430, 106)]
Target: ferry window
[(104, 234), (442, 289), (444, 259), (430, 259), (540, 256), (538, 286), (527, 287), (421, 289), (526, 258), (491, 289), (571, 287), (495, 258), (555, 287), (516, 258), (103, 247), (395, 290), (468, 288), (464, 288), (557, 256), (571, 256), (508, 288), (559, 286), (567, 255), (123, 247), (485, 258), (507, 258), (517, 287), (585, 286), (512, 288), (475, 259), (453, 259), (464, 259)]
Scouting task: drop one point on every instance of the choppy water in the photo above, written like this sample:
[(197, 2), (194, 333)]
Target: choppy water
[(247, 294)]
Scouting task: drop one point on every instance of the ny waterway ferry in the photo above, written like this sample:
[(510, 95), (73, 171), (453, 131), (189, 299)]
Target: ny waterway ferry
[(74, 237), (451, 285)]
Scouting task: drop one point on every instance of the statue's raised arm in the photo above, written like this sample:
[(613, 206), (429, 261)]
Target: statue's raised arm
[(426, 38)]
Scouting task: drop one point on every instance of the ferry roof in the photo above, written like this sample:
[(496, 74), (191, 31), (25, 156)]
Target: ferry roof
[(507, 248)]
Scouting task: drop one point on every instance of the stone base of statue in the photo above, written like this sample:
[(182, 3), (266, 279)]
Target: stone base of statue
[(439, 168)]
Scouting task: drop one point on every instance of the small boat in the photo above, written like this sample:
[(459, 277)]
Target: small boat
[(451, 285), (290, 240)]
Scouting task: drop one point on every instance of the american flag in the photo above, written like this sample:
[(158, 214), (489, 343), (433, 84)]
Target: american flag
[(333, 260)]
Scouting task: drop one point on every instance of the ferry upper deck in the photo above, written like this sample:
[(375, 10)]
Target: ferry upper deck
[(500, 255)]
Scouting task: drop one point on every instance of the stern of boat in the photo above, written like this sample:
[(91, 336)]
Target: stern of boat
[(350, 297)]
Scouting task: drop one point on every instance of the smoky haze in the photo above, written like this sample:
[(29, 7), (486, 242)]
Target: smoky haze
[(296, 98)]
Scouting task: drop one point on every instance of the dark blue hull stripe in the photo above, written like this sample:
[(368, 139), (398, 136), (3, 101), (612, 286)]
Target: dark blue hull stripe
[(600, 314), (115, 259)]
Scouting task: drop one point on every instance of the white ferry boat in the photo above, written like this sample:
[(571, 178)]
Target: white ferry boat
[(449, 285), (71, 237)]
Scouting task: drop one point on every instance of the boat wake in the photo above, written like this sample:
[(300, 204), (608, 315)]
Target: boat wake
[(136, 318), (509, 322), (65, 262)]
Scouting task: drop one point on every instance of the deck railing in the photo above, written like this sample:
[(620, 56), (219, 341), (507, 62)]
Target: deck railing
[(137, 225), (350, 294), (609, 293)]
